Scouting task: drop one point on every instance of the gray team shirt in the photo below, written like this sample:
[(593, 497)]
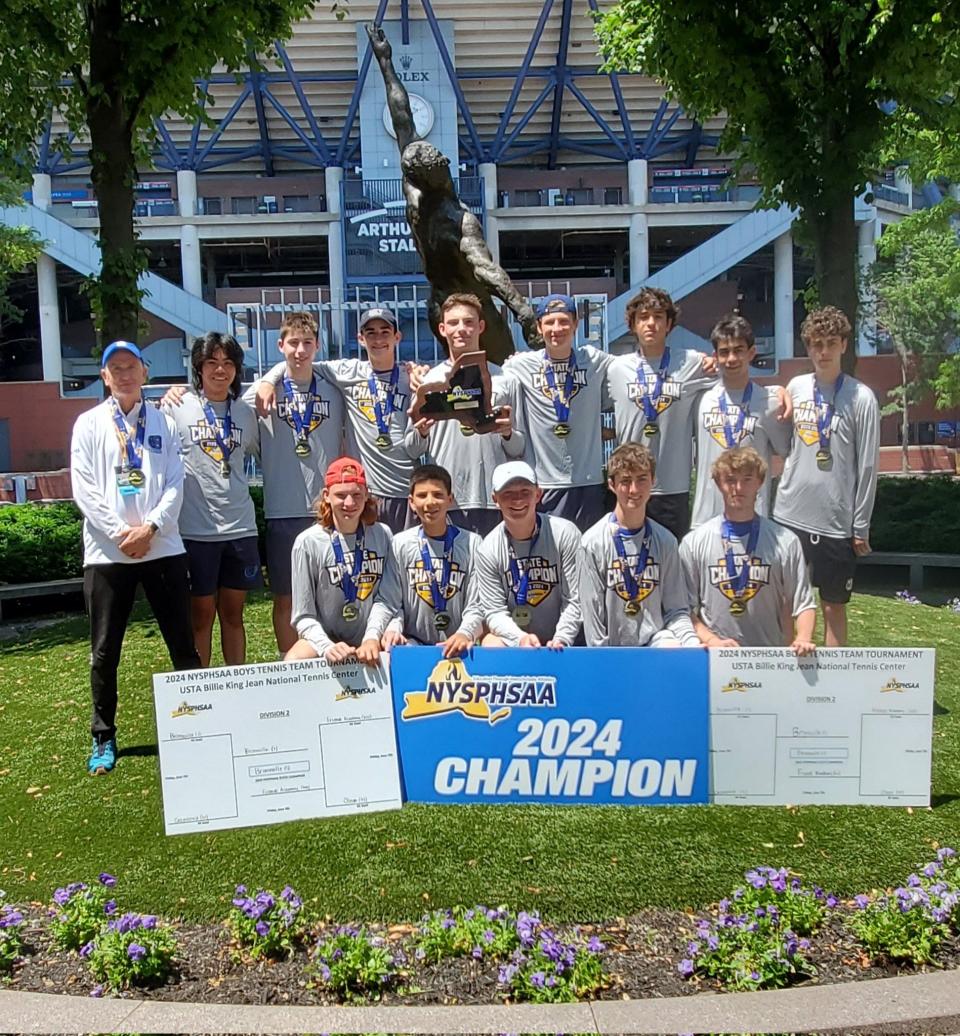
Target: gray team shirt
[(553, 563), (470, 458), (664, 616), (837, 501), (318, 597), (778, 575), (292, 483), (760, 429), (214, 507), (406, 600), (684, 380), (575, 459)]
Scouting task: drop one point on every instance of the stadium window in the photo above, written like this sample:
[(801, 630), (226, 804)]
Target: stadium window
[(613, 196), (296, 203), (244, 205), (211, 206), (522, 198)]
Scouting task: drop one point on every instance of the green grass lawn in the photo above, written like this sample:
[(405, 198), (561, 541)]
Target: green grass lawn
[(570, 862)]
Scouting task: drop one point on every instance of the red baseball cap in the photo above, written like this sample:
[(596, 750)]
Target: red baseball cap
[(345, 469)]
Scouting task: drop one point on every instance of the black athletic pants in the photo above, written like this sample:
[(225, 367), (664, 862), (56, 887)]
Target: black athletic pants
[(109, 591)]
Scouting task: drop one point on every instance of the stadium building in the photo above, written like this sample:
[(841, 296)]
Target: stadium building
[(288, 196)]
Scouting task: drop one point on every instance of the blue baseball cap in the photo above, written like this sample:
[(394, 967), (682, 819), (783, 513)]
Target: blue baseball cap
[(118, 347), (556, 304)]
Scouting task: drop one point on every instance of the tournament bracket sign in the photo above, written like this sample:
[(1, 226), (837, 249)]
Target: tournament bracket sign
[(624, 726)]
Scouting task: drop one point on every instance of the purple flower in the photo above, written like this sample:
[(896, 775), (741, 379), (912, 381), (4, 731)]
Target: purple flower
[(61, 897), (862, 901), (108, 880), (931, 869), (755, 975), (148, 921), (594, 945), (686, 967), (757, 880), (87, 948), (97, 991), (110, 907), (262, 928), (324, 973), (447, 923), (136, 952), (832, 900), (551, 982), (488, 936), (945, 853), (476, 952), (506, 973), (240, 890), (538, 978)]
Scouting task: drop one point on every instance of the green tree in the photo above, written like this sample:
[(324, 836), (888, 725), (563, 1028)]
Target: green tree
[(800, 83), (110, 67), (19, 247), (915, 287)]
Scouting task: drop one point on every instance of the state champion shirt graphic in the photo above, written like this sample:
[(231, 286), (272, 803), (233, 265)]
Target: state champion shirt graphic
[(805, 424), (560, 369), (757, 579), (542, 577), (420, 580), (364, 399), (647, 581), (202, 435), (371, 570), (299, 403), (715, 419), (669, 391)]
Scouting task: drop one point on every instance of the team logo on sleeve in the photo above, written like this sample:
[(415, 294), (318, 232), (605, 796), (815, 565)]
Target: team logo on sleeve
[(360, 393), (420, 580), (758, 578), (299, 402), (366, 580), (560, 368), (202, 435), (805, 423), (541, 578), (669, 391), (647, 581), (714, 420)]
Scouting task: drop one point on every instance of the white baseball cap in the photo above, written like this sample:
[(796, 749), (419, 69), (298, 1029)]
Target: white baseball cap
[(513, 471)]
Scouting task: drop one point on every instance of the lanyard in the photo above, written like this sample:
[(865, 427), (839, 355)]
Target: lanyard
[(561, 403), (521, 580), (438, 587), (302, 419), (738, 580), (650, 400), (383, 409), (133, 451), (223, 441), (348, 579), (619, 535), (825, 411), (732, 435)]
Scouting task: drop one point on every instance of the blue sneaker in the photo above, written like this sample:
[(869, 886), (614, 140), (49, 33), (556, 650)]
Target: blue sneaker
[(103, 756)]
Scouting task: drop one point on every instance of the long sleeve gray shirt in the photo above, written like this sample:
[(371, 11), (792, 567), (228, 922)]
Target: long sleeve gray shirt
[(470, 458), (406, 599), (837, 501), (664, 615), (672, 446), (777, 576), (318, 586), (552, 588), (215, 508), (292, 483), (759, 429), (575, 459)]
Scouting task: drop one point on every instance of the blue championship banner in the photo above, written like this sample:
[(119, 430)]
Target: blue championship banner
[(623, 725)]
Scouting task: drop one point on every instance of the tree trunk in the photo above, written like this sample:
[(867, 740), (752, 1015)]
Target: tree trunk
[(904, 418), (835, 266), (113, 173)]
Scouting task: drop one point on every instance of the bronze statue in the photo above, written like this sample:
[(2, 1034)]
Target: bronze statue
[(447, 234)]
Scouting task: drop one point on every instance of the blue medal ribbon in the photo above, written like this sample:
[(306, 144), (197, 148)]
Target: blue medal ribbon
[(825, 411), (561, 403), (732, 436), (383, 409), (133, 451), (223, 441), (348, 579), (738, 580), (650, 400), (521, 580), (630, 582), (437, 587), (302, 419)]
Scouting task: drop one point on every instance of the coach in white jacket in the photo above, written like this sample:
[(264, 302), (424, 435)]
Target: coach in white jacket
[(127, 479)]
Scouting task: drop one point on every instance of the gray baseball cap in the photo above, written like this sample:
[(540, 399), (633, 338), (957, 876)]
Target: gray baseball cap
[(377, 313)]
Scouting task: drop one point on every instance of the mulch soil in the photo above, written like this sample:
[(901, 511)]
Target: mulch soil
[(640, 959)]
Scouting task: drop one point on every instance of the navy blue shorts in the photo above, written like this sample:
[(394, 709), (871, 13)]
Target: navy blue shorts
[(231, 564), (281, 532)]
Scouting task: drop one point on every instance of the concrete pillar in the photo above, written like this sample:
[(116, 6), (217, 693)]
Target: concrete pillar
[(47, 297), (902, 182), (190, 264), (637, 191), (333, 176), (639, 236), (488, 170), (783, 297), (867, 233), (187, 192)]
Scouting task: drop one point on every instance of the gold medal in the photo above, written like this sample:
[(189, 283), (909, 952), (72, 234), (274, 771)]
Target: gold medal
[(522, 616), (383, 442), (737, 607), (467, 429), (441, 620), (650, 429), (302, 449), (632, 607), (823, 459), (136, 477), (350, 612), (561, 430)]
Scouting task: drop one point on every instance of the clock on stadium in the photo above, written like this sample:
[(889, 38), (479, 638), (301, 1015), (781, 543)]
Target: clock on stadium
[(423, 116)]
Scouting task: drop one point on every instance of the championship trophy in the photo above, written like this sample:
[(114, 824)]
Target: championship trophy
[(465, 395)]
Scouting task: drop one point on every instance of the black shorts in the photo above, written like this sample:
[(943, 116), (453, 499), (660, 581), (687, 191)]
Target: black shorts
[(230, 564), (281, 532), (832, 562), (395, 513), (672, 511), (481, 520), (582, 505)]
